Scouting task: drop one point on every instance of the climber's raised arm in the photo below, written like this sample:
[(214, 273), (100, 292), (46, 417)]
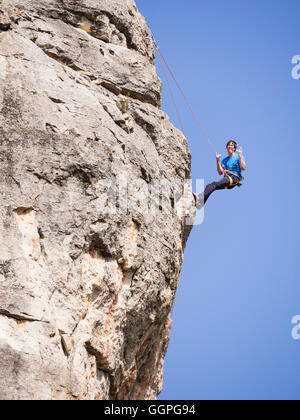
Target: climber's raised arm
[(220, 168), (243, 165)]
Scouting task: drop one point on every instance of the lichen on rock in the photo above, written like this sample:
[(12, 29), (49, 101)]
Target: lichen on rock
[(92, 220)]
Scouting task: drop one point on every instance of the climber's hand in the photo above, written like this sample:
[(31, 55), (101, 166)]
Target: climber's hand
[(240, 152), (218, 157)]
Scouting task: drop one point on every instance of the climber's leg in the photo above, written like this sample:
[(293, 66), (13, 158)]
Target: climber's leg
[(200, 199), (219, 185)]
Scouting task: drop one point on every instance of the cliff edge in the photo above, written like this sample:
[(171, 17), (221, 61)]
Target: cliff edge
[(92, 219)]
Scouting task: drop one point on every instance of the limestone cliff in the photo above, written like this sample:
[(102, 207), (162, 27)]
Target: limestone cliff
[(91, 243)]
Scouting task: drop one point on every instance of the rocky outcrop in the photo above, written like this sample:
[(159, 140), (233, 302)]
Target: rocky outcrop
[(92, 218)]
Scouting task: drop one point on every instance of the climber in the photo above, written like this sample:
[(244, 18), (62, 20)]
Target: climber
[(232, 167)]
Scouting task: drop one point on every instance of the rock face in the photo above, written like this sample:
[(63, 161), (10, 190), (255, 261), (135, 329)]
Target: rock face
[(92, 229)]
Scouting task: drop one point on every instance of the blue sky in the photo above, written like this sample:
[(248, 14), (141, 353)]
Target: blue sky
[(231, 336)]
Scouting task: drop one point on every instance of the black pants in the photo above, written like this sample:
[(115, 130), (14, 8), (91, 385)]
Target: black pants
[(219, 185)]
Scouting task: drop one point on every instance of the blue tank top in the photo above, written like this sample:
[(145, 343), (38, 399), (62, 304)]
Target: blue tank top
[(232, 163)]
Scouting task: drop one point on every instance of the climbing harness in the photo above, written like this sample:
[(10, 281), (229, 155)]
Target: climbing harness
[(233, 184)]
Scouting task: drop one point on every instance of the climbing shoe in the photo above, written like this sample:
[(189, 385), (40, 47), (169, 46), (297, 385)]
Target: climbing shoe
[(199, 200)]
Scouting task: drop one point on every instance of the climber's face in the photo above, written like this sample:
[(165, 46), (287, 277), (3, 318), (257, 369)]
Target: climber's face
[(230, 148)]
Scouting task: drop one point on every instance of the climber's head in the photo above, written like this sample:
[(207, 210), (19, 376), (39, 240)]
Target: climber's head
[(231, 147)]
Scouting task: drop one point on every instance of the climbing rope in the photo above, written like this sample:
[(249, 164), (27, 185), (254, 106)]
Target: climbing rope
[(170, 88), (165, 64)]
